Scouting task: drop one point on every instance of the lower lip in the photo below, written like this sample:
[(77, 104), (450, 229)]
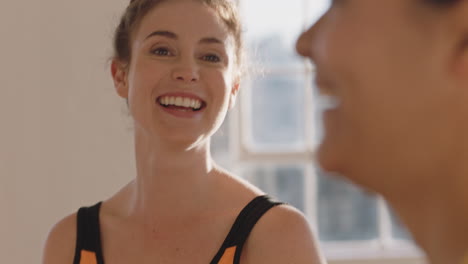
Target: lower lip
[(329, 112), (181, 113), (328, 117)]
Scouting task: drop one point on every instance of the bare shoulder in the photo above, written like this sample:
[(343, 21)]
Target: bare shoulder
[(60, 244), (282, 235)]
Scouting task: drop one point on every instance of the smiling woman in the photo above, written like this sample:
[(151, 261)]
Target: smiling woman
[(177, 63), (399, 72)]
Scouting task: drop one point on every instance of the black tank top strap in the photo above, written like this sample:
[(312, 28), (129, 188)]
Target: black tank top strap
[(244, 224), (88, 234)]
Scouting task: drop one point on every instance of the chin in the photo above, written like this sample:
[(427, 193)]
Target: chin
[(328, 157), (332, 159)]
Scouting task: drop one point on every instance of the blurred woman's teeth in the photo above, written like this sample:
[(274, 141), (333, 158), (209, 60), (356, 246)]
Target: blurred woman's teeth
[(327, 102)]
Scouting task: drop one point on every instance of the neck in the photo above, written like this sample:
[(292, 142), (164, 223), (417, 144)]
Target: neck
[(172, 179), (437, 218)]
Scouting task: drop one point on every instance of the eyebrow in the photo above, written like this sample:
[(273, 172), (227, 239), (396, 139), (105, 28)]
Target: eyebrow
[(210, 40), (172, 35), (163, 33)]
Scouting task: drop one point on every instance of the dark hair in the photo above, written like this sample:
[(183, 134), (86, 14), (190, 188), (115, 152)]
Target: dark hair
[(138, 9)]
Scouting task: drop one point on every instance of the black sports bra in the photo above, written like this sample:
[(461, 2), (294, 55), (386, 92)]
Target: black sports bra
[(89, 247)]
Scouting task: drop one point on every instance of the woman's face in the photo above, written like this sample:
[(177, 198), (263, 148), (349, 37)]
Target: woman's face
[(179, 82), (389, 67)]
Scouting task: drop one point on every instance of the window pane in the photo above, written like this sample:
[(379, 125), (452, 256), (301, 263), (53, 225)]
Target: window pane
[(271, 51), (271, 29), (344, 211), (283, 183), (277, 111)]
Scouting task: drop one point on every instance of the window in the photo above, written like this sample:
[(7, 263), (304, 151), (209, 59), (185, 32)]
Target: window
[(270, 135)]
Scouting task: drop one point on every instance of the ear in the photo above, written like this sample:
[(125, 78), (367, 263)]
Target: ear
[(233, 96), (119, 76)]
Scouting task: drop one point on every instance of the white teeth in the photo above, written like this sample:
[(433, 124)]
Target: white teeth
[(327, 102), (186, 102), (180, 101)]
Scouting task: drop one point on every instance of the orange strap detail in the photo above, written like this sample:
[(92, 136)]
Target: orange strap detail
[(228, 256), (88, 257)]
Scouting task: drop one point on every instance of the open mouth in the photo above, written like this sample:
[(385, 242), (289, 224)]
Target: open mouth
[(181, 103), (327, 102)]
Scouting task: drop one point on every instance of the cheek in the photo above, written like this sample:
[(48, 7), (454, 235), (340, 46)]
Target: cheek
[(393, 110), (395, 120), (143, 81), (220, 83), (147, 75)]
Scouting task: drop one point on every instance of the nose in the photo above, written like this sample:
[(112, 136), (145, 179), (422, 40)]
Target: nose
[(186, 72), (304, 43)]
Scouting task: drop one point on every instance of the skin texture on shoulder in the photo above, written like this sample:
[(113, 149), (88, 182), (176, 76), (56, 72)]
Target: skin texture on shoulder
[(282, 236), (60, 244)]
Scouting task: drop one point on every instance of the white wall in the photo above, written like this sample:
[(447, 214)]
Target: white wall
[(64, 134)]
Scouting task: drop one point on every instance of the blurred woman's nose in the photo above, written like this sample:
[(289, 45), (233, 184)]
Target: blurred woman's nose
[(304, 43), (186, 71)]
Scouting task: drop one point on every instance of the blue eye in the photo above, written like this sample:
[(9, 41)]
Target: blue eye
[(211, 58), (161, 52)]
